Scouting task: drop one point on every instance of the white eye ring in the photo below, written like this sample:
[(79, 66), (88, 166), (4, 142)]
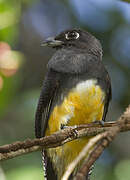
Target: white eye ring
[(76, 36)]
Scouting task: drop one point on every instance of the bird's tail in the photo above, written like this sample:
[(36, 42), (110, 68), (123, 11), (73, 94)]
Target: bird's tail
[(44, 164), (49, 172)]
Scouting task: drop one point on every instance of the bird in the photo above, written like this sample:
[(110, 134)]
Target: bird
[(76, 90)]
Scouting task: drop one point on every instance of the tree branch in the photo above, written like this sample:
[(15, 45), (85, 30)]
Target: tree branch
[(101, 143), (61, 137), (82, 155), (95, 147)]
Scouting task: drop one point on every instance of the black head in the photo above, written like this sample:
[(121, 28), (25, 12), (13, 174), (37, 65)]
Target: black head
[(77, 39)]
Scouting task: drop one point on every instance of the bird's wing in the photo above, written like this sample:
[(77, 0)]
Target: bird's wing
[(48, 92)]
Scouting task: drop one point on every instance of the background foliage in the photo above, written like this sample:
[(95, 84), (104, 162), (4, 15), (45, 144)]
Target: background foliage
[(23, 26)]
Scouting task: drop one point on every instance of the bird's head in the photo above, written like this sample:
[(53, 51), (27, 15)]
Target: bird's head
[(76, 39)]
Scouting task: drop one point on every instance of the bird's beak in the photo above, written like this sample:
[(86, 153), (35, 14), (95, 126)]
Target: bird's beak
[(52, 42)]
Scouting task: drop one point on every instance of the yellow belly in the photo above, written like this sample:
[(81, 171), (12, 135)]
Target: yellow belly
[(82, 106)]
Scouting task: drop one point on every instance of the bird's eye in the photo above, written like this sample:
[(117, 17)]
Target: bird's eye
[(72, 35)]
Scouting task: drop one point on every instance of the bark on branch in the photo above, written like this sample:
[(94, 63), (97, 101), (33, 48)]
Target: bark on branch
[(99, 143), (106, 135)]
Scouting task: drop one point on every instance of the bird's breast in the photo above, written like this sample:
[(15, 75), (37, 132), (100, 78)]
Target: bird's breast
[(83, 104)]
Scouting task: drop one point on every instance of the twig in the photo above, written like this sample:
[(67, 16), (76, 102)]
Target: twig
[(94, 154), (82, 155), (59, 138), (95, 148)]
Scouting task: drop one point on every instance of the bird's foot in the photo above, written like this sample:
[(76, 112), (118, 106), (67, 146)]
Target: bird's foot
[(64, 126), (75, 133)]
